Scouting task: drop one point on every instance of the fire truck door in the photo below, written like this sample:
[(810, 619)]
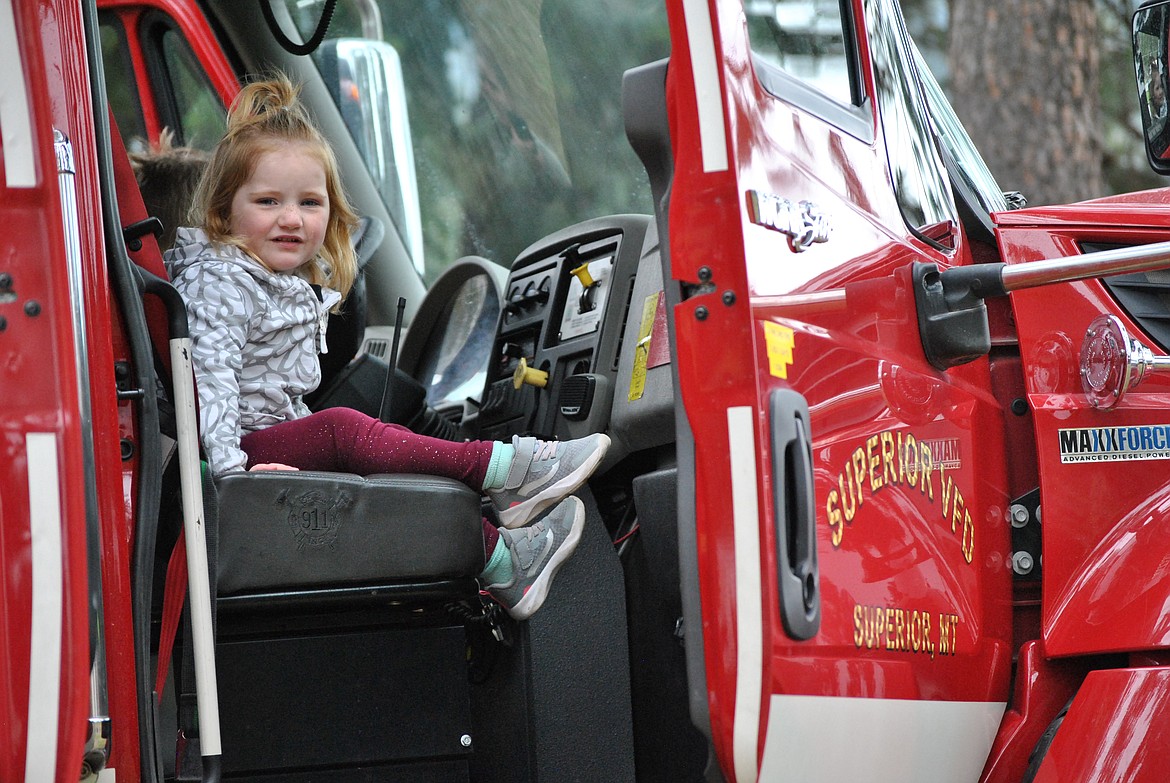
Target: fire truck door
[(49, 585), (849, 568)]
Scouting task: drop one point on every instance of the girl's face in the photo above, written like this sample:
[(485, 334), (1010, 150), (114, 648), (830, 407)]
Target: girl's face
[(282, 211)]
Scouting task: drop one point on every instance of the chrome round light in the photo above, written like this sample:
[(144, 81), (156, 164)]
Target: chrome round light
[(1112, 362)]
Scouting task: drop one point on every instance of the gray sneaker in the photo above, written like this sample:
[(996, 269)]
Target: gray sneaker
[(543, 472), (537, 552)]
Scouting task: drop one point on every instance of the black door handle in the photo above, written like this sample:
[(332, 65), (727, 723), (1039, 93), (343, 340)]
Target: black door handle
[(797, 577)]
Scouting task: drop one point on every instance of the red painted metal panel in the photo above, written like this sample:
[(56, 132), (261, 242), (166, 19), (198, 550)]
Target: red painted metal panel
[(73, 114), (1116, 729), (1093, 512), (1042, 689), (704, 371), (39, 383)]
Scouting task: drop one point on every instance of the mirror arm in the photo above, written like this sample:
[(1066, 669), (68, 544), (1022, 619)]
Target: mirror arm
[(952, 316)]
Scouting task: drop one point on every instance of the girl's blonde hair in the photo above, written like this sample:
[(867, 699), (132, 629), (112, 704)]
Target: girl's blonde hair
[(264, 115)]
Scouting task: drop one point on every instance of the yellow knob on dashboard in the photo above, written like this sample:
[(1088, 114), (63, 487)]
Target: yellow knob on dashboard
[(530, 375), (582, 274)]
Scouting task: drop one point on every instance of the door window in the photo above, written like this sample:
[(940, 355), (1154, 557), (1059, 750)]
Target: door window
[(805, 53), (121, 86), (514, 112), (805, 39), (196, 113), (920, 178)]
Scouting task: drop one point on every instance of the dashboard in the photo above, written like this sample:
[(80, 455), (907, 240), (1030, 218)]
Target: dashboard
[(572, 341), (562, 327)]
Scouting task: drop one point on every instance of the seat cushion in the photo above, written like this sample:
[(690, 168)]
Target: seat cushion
[(283, 530)]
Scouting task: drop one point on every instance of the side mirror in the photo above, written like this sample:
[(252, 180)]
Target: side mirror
[(1151, 35), (365, 80)]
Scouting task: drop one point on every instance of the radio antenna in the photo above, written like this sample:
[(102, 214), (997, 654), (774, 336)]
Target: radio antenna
[(387, 390)]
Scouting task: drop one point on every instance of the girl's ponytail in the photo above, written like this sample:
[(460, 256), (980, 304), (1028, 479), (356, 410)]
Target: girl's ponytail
[(271, 107)]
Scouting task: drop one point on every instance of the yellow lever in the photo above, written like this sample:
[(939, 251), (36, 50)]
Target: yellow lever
[(582, 274), (530, 375)]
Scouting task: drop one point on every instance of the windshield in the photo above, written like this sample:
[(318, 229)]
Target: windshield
[(514, 109), (958, 145)]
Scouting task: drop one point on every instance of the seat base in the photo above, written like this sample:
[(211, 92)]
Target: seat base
[(345, 700)]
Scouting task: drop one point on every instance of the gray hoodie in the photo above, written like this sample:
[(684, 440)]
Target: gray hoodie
[(255, 337)]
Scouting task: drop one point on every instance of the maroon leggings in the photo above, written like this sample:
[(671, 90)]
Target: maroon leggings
[(346, 440)]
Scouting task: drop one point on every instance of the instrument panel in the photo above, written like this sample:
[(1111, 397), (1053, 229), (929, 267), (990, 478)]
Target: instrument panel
[(556, 354)]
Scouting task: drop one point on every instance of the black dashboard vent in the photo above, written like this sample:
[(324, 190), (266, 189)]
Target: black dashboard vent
[(621, 335), (1144, 296)]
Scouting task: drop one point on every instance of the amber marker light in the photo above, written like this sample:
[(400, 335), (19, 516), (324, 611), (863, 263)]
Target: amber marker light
[(1112, 362)]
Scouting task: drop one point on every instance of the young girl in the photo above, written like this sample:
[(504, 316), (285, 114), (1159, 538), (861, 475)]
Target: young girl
[(270, 259)]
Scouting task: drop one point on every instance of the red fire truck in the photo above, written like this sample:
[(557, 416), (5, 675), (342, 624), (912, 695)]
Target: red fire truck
[(885, 499)]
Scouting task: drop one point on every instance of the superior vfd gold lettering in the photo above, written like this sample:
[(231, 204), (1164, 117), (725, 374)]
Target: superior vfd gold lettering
[(897, 459)]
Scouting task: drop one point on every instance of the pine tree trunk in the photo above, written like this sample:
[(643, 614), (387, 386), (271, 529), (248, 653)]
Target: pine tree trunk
[(1025, 84)]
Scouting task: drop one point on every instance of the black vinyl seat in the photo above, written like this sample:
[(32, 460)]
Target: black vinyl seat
[(283, 531), (336, 607)]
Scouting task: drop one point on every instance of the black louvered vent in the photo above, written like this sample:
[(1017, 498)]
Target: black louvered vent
[(1144, 296)]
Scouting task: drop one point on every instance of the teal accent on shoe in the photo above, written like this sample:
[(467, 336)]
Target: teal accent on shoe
[(537, 552), (501, 461), (499, 565)]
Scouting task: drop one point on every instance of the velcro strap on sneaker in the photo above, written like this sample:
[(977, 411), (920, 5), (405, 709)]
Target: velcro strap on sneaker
[(525, 449)]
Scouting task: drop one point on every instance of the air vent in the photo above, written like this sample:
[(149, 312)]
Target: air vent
[(1144, 296), (377, 348), (621, 334)]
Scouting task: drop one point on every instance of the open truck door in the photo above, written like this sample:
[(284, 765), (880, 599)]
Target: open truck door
[(60, 420), (845, 555)]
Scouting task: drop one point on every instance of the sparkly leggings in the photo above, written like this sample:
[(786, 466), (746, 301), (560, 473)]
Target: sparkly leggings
[(346, 440)]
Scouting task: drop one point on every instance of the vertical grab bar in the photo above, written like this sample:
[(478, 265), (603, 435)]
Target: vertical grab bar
[(194, 528)]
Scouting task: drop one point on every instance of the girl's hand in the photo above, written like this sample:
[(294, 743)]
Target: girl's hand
[(272, 466)]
